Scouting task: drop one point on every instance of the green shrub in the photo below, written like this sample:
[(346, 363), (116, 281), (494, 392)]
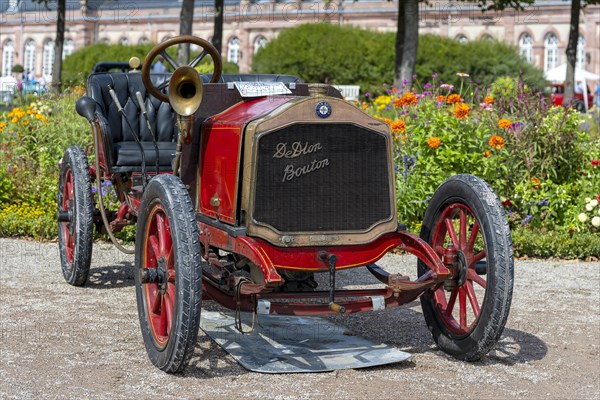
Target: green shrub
[(32, 142), (534, 156), (544, 244), (315, 53), (27, 220)]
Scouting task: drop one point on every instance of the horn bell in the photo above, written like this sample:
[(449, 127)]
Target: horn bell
[(185, 91)]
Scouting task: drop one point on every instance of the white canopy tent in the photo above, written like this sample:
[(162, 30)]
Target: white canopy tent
[(559, 74)]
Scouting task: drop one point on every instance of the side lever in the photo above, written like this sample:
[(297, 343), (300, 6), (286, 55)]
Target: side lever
[(332, 261), (142, 105), (122, 112)]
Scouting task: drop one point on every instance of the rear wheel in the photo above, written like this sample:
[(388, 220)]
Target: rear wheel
[(579, 106), (168, 278), (465, 221), (75, 215)]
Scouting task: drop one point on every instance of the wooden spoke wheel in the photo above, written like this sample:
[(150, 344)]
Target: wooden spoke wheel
[(168, 278), (75, 216), (466, 226)]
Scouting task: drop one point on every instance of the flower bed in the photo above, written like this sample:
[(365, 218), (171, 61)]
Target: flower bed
[(545, 168)]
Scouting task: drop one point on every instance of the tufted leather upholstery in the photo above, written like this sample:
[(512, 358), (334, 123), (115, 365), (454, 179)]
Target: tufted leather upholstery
[(125, 154)]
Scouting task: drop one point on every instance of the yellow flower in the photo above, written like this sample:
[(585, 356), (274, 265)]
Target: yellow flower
[(461, 110), (535, 182), (15, 120), (382, 100), (504, 123), (453, 98), (434, 142), (496, 142)]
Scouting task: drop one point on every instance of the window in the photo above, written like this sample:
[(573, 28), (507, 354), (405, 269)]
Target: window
[(143, 40), (68, 48), (124, 41), (259, 43), (233, 50), (48, 57), (550, 52), (29, 64), (487, 37), (8, 56), (580, 63), (526, 47), (461, 38)]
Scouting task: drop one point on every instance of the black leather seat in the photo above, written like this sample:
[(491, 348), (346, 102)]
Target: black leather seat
[(122, 151)]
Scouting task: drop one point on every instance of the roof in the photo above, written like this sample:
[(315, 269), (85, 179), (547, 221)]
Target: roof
[(31, 5)]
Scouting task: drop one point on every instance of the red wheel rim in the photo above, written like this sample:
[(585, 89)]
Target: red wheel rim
[(159, 297), (67, 231), (458, 227)]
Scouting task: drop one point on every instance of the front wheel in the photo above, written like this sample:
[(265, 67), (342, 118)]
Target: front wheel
[(466, 222), (168, 278)]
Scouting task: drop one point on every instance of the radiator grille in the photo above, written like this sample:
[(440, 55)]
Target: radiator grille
[(322, 178)]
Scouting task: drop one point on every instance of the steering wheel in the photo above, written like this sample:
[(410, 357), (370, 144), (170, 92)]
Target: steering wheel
[(161, 49)]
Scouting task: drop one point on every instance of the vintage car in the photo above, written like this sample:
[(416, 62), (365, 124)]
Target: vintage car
[(557, 93), (243, 187)]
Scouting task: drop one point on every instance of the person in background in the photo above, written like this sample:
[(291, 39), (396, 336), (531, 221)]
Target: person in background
[(159, 67), (579, 87)]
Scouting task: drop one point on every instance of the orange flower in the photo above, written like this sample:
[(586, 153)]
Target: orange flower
[(441, 98), (434, 142), (398, 126), (504, 123), (453, 98), (488, 100), (407, 99), (461, 110), (386, 120), (496, 142), (486, 154), (535, 182)]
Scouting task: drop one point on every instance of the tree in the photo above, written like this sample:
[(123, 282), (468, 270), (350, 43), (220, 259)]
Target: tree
[(408, 33), (217, 39), (572, 47), (186, 21), (58, 42)]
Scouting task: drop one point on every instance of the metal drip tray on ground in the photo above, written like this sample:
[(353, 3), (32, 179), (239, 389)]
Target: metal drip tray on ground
[(291, 344)]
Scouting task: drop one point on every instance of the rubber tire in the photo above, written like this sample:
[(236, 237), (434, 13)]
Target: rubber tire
[(76, 273), (579, 105), (170, 192), (482, 200)]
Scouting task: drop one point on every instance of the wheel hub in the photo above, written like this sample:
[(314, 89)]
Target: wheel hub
[(162, 273), (463, 267)]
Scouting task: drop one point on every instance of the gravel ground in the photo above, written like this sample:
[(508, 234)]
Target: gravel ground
[(59, 341)]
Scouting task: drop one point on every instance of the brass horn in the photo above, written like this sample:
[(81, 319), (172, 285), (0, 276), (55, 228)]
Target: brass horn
[(185, 96), (185, 91)]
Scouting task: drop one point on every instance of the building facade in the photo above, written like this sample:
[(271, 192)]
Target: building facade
[(540, 32)]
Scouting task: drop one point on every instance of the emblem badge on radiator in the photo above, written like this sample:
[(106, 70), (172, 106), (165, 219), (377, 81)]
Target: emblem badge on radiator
[(323, 109)]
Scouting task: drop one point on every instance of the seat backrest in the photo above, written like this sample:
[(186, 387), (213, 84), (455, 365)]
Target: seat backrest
[(160, 114)]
